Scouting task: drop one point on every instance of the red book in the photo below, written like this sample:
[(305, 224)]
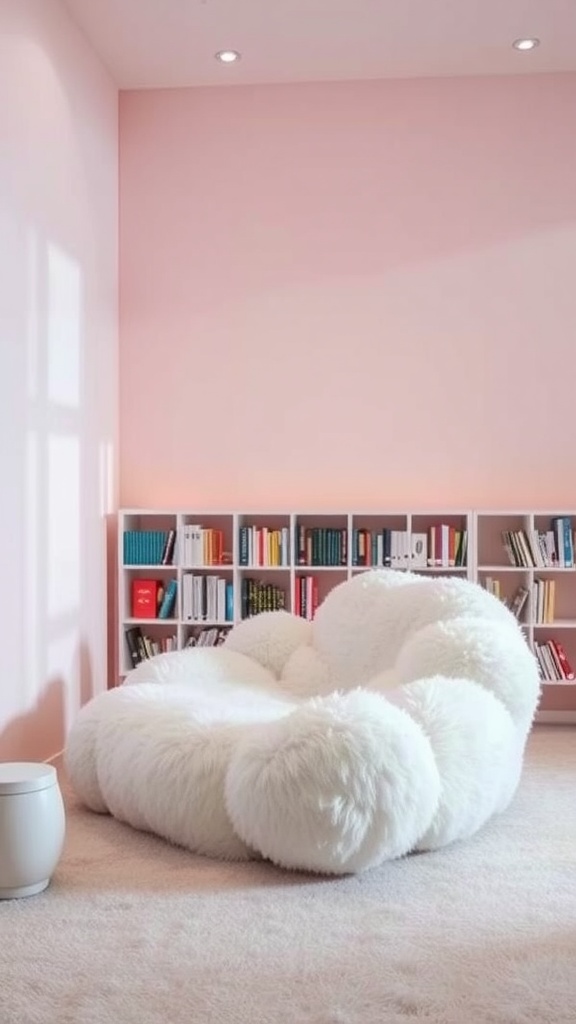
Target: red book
[(565, 665), (145, 599)]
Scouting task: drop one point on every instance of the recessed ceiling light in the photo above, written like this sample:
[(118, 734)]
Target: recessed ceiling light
[(525, 44), (227, 56)]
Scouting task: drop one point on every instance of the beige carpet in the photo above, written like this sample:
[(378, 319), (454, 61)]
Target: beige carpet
[(133, 931)]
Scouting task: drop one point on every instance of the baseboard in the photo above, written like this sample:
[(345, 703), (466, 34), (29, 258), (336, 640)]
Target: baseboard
[(55, 757), (556, 718)]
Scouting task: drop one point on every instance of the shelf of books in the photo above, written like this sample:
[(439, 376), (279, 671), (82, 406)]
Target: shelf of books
[(527, 560), (186, 577)]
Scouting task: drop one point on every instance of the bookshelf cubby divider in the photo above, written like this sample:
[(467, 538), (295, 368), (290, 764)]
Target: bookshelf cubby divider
[(209, 570)]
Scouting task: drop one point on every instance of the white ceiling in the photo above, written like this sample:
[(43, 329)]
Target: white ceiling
[(163, 43)]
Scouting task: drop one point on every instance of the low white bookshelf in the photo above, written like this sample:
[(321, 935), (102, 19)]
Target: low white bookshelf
[(226, 565)]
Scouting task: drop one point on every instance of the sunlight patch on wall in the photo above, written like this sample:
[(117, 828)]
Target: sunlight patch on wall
[(107, 488), (32, 314), (63, 534), (32, 668)]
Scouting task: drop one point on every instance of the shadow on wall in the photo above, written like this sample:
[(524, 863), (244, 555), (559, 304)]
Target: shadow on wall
[(31, 736), (40, 732)]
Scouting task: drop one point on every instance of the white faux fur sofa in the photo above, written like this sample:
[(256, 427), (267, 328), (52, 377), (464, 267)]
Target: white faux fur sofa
[(395, 722)]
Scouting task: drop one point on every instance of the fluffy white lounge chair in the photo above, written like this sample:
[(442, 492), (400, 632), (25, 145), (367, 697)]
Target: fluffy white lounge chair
[(395, 722)]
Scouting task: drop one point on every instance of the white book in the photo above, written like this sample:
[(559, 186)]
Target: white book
[(419, 550)]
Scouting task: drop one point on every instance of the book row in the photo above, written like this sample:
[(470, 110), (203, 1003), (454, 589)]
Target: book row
[(264, 546), (542, 549), (207, 598), (543, 605), (259, 596), (306, 597), (553, 662), (148, 547), (140, 646), (211, 597), (441, 545), (208, 636)]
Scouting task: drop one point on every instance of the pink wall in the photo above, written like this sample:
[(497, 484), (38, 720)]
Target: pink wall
[(58, 380), (349, 294)]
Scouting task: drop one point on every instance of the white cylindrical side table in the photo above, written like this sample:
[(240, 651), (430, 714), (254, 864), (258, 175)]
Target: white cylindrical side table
[(32, 827)]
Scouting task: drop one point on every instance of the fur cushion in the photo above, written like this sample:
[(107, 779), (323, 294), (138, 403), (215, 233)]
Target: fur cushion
[(395, 722)]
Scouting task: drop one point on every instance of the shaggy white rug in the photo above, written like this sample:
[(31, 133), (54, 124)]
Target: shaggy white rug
[(135, 931), (396, 721)]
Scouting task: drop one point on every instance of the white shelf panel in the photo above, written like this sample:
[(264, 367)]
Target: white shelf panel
[(264, 568), (206, 568), (557, 624), (558, 682), (332, 568), (505, 568), (439, 568), (205, 622), (554, 568), (524, 568)]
